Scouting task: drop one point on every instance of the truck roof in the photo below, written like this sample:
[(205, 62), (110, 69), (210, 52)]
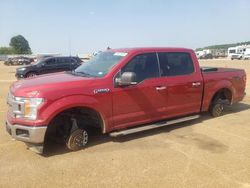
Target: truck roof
[(150, 49)]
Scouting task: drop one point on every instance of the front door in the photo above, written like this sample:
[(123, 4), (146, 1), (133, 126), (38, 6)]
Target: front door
[(144, 102), (49, 66)]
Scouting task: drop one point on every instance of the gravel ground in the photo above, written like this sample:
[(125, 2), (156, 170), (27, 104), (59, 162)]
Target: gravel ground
[(208, 152)]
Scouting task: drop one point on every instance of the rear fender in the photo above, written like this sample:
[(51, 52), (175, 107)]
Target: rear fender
[(211, 92)]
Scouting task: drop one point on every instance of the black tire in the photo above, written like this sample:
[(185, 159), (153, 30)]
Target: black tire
[(216, 108), (77, 139), (31, 75)]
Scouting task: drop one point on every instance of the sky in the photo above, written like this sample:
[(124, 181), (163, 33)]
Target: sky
[(85, 26)]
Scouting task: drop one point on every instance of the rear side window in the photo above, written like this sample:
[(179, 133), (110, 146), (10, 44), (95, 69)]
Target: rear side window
[(144, 66), (175, 63), (63, 60), (74, 60)]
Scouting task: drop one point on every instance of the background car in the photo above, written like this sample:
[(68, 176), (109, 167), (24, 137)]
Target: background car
[(18, 61), (48, 65), (24, 60), (236, 56), (8, 61), (206, 56)]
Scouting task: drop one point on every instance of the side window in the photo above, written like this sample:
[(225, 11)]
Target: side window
[(144, 66), (175, 63), (63, 60), (73, 60), (51, 61)]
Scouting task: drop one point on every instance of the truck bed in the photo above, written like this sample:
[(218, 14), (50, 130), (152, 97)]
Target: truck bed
[(218, 69)]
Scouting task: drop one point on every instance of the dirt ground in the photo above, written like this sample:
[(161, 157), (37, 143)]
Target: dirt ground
[(208, 152)]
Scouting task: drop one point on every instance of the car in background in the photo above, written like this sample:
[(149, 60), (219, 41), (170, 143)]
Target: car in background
[(24, 60), (206, 56), (21, 60), (48, 65), (236, 52), (8, 62), (236, 56)]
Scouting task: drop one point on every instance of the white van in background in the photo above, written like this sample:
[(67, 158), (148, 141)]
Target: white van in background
[(199, 54), (236, 52)]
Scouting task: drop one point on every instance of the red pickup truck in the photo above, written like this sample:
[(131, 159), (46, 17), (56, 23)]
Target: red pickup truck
[(119, 92)]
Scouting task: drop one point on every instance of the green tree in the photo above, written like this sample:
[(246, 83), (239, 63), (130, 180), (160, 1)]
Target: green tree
[(6, 50), (20, 45)]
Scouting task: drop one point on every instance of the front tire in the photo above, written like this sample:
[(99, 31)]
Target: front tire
[(77, 139), (30, 75)]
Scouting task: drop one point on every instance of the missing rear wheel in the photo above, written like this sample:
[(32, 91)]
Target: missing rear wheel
[(216, 108)]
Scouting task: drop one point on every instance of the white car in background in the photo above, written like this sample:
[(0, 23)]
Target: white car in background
[(235, 52)]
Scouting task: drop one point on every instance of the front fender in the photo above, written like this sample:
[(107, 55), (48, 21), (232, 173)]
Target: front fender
[(51, 109)]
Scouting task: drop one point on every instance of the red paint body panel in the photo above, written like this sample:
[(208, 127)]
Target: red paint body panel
[(123, 107), (224, 78)]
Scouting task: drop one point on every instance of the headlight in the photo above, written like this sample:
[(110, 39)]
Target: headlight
[(28, 107), (21, 69)]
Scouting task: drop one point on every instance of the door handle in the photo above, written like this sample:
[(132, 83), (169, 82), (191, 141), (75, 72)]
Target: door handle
[(196, 84), (160, 88)]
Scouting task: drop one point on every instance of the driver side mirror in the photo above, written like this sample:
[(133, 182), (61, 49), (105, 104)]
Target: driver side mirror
[(126, 79)]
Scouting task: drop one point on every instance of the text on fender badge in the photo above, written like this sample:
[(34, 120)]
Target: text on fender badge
[(102, 90)]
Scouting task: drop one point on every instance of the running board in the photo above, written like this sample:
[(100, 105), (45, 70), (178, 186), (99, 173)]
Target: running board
[(152, 126)]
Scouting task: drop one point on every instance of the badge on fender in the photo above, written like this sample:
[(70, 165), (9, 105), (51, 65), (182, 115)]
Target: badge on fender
[(102, 90)]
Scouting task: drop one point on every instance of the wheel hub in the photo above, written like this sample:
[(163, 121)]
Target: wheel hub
[(77, 139)]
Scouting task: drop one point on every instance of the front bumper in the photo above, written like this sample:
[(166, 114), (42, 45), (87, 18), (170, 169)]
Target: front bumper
[(19, 75), (29, 134)]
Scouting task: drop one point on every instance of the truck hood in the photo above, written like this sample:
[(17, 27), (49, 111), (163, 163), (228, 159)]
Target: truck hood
[(47, 85)]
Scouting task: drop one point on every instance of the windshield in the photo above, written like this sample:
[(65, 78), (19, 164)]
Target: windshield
[(101, 64), (232, 51)]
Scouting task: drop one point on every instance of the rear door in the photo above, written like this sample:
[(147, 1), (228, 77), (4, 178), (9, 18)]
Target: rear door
[(144, 102), (184, 83)]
